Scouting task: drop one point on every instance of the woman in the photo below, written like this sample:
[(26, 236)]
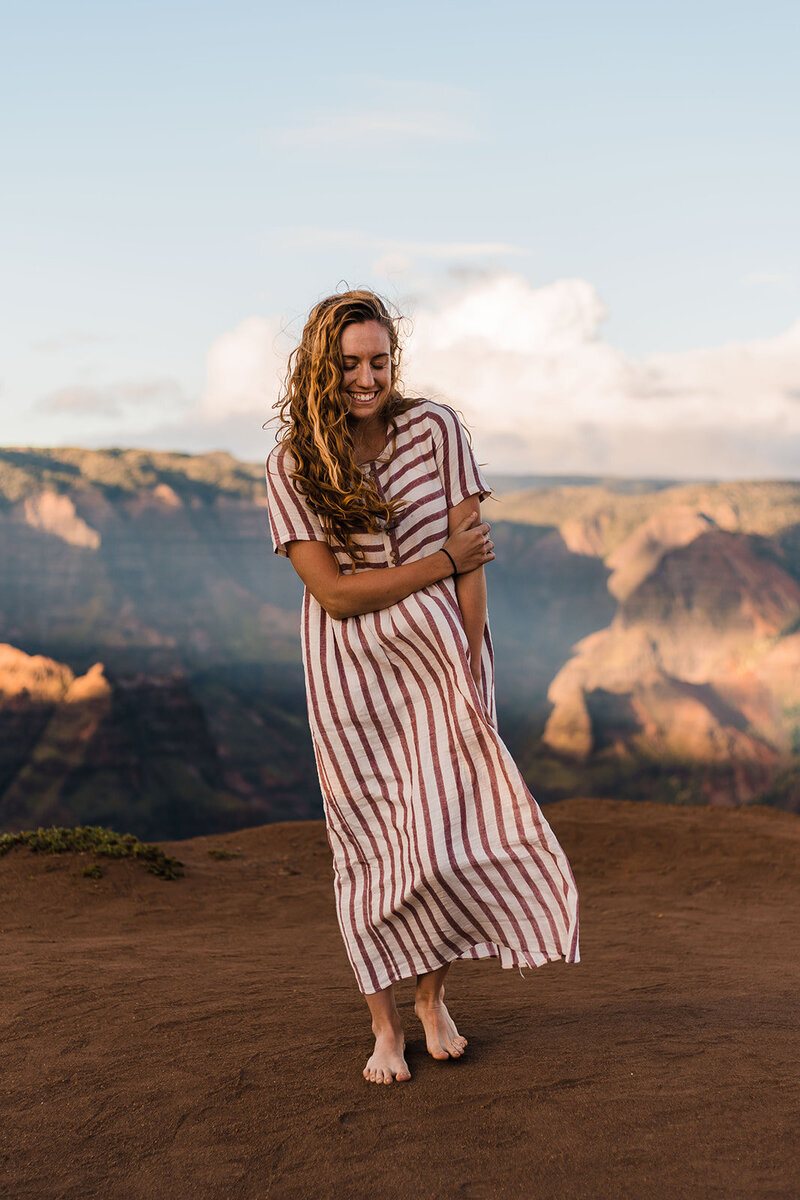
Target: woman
[(439, 850)]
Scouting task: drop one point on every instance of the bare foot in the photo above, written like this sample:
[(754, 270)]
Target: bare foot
[(444, 1040), (387, 1058)]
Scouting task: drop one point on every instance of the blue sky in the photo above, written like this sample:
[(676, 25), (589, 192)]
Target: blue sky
[(175, 169)]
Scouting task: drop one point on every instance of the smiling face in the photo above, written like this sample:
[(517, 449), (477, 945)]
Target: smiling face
[(367, 362)]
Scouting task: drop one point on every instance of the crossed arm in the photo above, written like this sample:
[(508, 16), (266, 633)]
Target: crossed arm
[(471, 591), (343, 595)]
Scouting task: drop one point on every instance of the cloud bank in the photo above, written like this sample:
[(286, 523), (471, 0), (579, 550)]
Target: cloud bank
[(543, 391), (529, 367)]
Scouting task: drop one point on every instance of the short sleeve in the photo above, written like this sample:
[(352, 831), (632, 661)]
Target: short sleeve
[(290, 518), (459, 471)]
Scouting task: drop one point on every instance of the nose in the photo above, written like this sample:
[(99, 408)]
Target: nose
[(364, 377)]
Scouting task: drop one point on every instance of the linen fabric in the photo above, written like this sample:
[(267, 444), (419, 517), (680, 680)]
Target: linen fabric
[(439, 849)]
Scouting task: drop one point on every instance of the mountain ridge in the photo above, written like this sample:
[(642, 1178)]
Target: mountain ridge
[(646, 640)]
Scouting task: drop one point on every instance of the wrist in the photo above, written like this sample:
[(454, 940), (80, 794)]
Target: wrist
[(450, 559)]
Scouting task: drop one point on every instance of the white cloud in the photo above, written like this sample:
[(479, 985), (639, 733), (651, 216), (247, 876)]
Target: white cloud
[(765, 278), (310, 237), (388, 111), (245, 368), (68, 341), (111, 399), (348, 126), (81, 399), (544, 392), (395, 255)]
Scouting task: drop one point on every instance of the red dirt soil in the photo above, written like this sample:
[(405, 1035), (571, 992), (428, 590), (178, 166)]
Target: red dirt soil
[(204, 1037)]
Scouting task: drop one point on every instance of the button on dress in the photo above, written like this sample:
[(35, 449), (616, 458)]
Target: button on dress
[(439, 849)]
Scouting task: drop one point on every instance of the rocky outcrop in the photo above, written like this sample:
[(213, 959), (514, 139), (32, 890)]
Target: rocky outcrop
[(639, 555), (70, 710), (697, 665), (56, 514), (157, 755)]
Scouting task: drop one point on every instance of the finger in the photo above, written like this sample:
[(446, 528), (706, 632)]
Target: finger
[(468, 519)]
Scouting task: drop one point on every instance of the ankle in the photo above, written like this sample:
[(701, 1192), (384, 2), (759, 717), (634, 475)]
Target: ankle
[(428, 999), (388, 1026)]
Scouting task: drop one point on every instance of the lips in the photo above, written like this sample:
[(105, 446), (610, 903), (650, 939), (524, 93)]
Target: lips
[(363, 397)]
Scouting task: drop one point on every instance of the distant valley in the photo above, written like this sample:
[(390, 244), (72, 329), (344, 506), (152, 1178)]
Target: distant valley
[(647, 637)]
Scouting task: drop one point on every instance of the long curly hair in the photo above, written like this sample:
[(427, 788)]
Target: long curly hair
[(315, 422)]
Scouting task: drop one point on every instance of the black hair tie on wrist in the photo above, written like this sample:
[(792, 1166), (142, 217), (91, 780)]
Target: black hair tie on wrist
[(452, 560)]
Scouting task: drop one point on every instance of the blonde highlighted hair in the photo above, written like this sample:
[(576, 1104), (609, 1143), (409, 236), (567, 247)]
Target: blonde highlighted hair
[(315, 420)]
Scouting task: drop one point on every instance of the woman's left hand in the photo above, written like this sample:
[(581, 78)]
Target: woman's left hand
[(485, 710)]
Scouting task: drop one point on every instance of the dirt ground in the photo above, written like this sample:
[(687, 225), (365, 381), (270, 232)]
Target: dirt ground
[(204, 1037)]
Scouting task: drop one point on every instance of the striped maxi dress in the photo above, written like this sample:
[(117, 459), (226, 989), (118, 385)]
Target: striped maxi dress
[(439, 849)]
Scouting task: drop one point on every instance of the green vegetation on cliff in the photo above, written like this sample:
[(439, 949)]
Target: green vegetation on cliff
[(60, 839)]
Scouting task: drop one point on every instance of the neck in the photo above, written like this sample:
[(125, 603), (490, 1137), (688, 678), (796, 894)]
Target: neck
[(369, 429)]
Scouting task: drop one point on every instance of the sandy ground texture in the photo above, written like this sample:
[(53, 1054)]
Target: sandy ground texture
[(204, 1037)]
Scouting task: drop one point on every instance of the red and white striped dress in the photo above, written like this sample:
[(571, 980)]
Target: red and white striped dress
[(439, 849)]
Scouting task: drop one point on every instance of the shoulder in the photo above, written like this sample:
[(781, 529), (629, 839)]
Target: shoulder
[(442, 412), (415, 407), (432, 411), (280, 461), (444, 421)]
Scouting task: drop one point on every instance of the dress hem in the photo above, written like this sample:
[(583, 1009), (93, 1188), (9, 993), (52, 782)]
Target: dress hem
[(506, 955)]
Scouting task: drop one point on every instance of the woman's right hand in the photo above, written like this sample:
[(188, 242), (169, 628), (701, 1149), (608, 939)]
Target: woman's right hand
[(469, 544)]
